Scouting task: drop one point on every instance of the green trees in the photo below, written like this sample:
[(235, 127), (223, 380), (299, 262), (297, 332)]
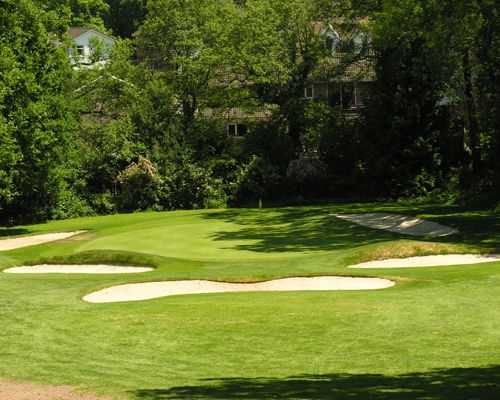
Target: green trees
[(437, 80), (281, 61), (9, 157), (70, 140), (403, 128), (125, 16), (487, 82), (187, 42), (35, 122), (62, 13)]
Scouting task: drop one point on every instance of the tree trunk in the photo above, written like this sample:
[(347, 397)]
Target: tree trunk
[(471, 122)]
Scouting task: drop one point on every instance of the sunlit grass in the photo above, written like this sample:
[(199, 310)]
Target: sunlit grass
[(444, 317)]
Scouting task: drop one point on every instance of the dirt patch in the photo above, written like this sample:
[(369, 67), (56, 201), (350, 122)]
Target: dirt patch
[(25, 241), (77, 269), (399, 224), (430, 261), (152, 290), (29, 391)]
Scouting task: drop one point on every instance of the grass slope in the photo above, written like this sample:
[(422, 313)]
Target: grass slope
[(434, 336)]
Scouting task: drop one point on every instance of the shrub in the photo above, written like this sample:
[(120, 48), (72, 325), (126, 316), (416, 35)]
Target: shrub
[(258, 179), (187, 186), (307, 175), (104, 203), (139, 184), (70, 205)]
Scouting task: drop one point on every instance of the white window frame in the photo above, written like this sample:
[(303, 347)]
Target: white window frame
[(236, 130), (311, 88), (230, 130)]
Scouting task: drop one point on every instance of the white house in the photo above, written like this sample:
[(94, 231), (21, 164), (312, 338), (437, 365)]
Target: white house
[(91, 47)]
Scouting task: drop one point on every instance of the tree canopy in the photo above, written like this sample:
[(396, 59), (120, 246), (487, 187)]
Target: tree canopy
[(224, 102)]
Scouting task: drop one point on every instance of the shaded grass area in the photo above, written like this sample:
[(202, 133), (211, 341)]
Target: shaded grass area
[(420, 339), (442, 384), (13, 231), (292, 230)]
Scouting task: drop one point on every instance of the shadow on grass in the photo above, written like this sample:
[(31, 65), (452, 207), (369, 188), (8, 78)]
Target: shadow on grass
[(13, 231), (444, 384), (317, 229), (294, 230), (480, 229), (477, 227)]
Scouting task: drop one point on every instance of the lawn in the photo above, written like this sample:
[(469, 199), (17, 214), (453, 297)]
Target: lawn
[(435, 335)]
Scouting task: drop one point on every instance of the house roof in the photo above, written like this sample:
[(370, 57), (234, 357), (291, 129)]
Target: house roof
[(77, 31)]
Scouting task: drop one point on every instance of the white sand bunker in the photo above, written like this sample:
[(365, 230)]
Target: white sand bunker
[(77, 269), (430, 261), (399, 224), (153, 290), (17, 243)]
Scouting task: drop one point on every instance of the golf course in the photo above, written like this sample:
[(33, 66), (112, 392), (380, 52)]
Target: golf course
[(433, 334)]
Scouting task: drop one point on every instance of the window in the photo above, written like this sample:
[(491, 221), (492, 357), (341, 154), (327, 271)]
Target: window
[(335, 94), (363, 90), (80, 50), (348, 95), (232, 130), (309, 92), (321, 90), (242, 130), (237, 130)]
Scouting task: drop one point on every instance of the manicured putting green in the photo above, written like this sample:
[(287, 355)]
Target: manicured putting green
[(433, 335)]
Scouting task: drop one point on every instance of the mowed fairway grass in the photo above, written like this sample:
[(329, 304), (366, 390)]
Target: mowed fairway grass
[(435, 335)]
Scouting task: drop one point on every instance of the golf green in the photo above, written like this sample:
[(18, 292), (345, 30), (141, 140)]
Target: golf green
[(434, 335)]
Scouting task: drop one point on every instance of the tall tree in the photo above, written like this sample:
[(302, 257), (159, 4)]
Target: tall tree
[(125, 16), (35, 121), (291, 52), (188, 42), (88, 13)]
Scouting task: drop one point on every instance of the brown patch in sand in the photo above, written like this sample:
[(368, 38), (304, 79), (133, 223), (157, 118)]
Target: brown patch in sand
[(30, 391)]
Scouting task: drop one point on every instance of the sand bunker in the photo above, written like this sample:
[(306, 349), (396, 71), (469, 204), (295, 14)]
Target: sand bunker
[(17, 243), (430, 261), (153, 290), (32, 391), (77, 269), (399, 224)]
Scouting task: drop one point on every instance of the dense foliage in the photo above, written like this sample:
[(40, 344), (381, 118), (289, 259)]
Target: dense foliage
[(36, 122), (153, 128)]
